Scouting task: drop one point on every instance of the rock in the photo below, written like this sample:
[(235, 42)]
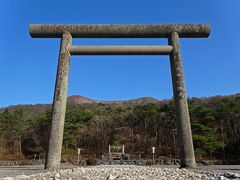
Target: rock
[(57, 176), (168, 162), (86, 178), (22, 177), (111, 177), (121, 178), (236, 175), (7, 178), (221, 178), (163, 178)]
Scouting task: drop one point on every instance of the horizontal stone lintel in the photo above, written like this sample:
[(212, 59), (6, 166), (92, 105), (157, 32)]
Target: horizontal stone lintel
[(119, 30), (120, 50)]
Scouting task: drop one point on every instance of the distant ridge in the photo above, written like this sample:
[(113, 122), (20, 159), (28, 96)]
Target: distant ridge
[(37, 110), (81, 100), (76, 99)]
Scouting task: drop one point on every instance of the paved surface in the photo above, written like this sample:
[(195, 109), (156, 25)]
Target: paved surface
[(19, 170), (221, 168), (12, 171)]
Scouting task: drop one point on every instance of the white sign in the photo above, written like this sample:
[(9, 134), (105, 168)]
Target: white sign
[(153, 150), (79, 150)]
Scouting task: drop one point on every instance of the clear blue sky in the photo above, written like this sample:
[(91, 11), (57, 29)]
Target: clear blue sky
[(28, 66)]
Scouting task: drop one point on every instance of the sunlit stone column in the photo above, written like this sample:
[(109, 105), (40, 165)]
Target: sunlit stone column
[(59, 105), (181, 107)]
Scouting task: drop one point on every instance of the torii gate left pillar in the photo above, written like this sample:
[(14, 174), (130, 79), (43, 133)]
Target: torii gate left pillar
[(59, 104), (172, 32)]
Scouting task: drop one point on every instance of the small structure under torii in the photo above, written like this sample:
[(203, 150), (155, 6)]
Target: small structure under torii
[(171, 31)]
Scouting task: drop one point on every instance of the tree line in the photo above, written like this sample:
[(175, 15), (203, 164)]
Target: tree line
[(215, 123)]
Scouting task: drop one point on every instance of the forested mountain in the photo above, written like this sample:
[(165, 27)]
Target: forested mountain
[(138, 124)]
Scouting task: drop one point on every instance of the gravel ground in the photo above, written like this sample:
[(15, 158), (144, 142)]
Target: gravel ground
[(123, 172)]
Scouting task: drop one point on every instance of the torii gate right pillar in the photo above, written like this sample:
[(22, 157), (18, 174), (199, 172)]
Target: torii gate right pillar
[(181, 106)]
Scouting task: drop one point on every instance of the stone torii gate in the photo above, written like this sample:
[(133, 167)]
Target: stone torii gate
[(171, 31)]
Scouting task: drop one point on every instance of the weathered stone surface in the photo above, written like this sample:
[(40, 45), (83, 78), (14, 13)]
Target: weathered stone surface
[(120, 50), (59, 105), (180, 99), (119, 30)]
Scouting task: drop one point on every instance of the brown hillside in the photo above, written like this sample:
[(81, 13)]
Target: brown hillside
[(83, 100)]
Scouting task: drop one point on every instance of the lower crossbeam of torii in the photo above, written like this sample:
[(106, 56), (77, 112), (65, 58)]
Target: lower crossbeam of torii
[(171, 31)]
